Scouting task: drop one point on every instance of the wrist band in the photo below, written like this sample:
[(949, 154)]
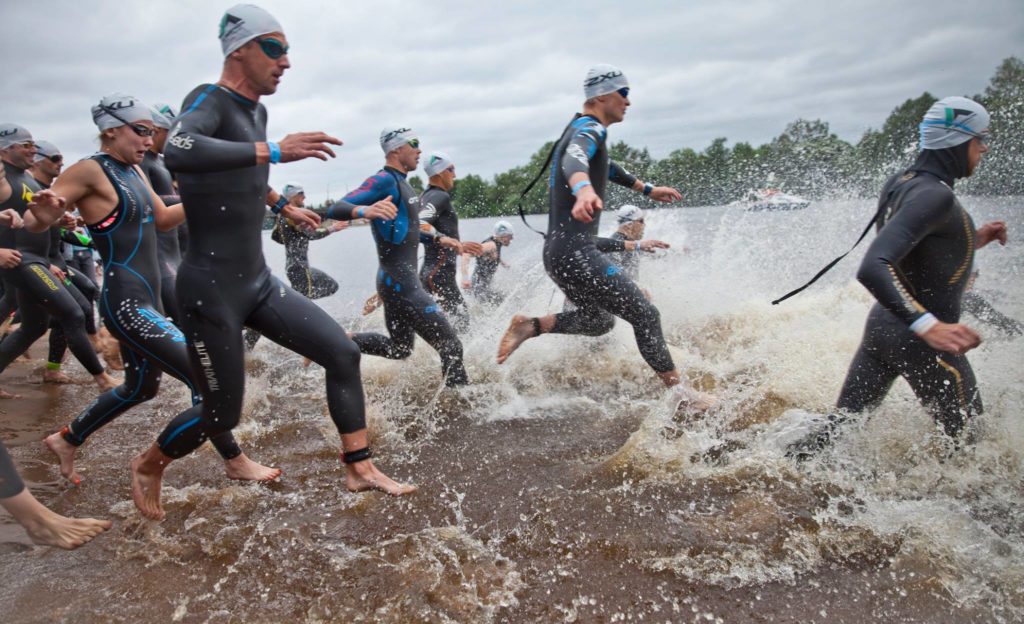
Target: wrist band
[(275, 152), (924, 323), (279, 206), (576, 187), (647, 188), (360, 211)]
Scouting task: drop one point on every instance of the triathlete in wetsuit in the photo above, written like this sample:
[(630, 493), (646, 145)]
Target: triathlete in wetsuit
[(311, 282), (123, 212), (168, 245), (487, 263), (441, 242), (39, 292), (918, 268), (45, 168), (574, 256), (408, 309), (218, 149)]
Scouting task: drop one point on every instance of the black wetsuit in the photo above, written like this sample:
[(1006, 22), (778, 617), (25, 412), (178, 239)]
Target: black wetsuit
[(919, 263), (130, 302), (39, 293), (628, 261), (440, 264), (168, 244), (483, 274), (224, 282), (311, 282), (83, 291), (574, 256), (408, 308), (10, 482)]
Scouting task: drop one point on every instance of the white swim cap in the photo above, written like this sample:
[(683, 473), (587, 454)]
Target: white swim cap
[(291, 190), (45, 149), (393, 138), (602, 80), (242, 23), (13, 134), (436, 163), (503, 228), (118, 109), (952, 121)]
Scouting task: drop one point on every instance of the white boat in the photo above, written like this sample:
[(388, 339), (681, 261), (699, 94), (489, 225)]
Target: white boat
[(777, 200)]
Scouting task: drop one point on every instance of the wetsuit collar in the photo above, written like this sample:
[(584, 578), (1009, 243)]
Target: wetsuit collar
[(395, 171), (235, 95), (945, 164), (14, 168)]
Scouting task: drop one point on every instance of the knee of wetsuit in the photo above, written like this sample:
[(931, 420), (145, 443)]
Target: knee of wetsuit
[(601, 325), (345, 355)]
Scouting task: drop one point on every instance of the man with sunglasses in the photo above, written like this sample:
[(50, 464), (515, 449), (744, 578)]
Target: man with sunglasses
[(45, 169), (574, 256), (439, 225), (408, 308), (219, 150), (917, 268), (39, 293)]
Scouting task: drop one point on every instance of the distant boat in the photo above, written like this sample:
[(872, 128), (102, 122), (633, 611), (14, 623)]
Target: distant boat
[(772, 199)]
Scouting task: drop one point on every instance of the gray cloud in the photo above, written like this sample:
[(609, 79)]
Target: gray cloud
[(490, 84)]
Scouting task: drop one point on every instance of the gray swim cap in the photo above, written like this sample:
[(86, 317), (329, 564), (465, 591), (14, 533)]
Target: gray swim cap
[(503, 228), (242, 23), (45, 149), (436, 163), (291, 190), (394, 138), (602, 80), (118, 109), (629, 214), (952, 121), (12, 134), (163, 115)]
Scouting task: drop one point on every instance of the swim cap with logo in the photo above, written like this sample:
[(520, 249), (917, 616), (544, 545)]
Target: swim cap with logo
[(503, 228), (394, 138), (242, 23), (13, 134), (291, 190), (118, 109), (629, 214), (45, 149), (602, 80), (952, 121), (436, 163), (163, 115)]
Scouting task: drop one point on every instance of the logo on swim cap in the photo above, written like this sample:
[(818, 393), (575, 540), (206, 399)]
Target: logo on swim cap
[(229, 20), (120, 104), (394, 133), (8, 132), (589, 82)]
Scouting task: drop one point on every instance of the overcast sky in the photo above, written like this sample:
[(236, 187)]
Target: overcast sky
[(490, 84)]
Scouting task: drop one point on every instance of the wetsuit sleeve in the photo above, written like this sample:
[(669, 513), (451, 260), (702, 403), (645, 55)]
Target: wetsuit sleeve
[(191, 147), (374, 189), (921, 213), (618, 175), (608, 245), (581, 148)]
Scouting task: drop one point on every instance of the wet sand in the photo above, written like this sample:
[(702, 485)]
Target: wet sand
[(516, 520)]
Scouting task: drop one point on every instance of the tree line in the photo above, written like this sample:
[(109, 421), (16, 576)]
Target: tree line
[(807, 159)]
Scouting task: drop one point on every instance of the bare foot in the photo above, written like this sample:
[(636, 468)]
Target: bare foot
[(242, 468), (65, 452), (48, 528), (106, 382), (66, 533), (56, 377), (362, 476), (692, 399), (519, 331), (8, 395), (147, 477)]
